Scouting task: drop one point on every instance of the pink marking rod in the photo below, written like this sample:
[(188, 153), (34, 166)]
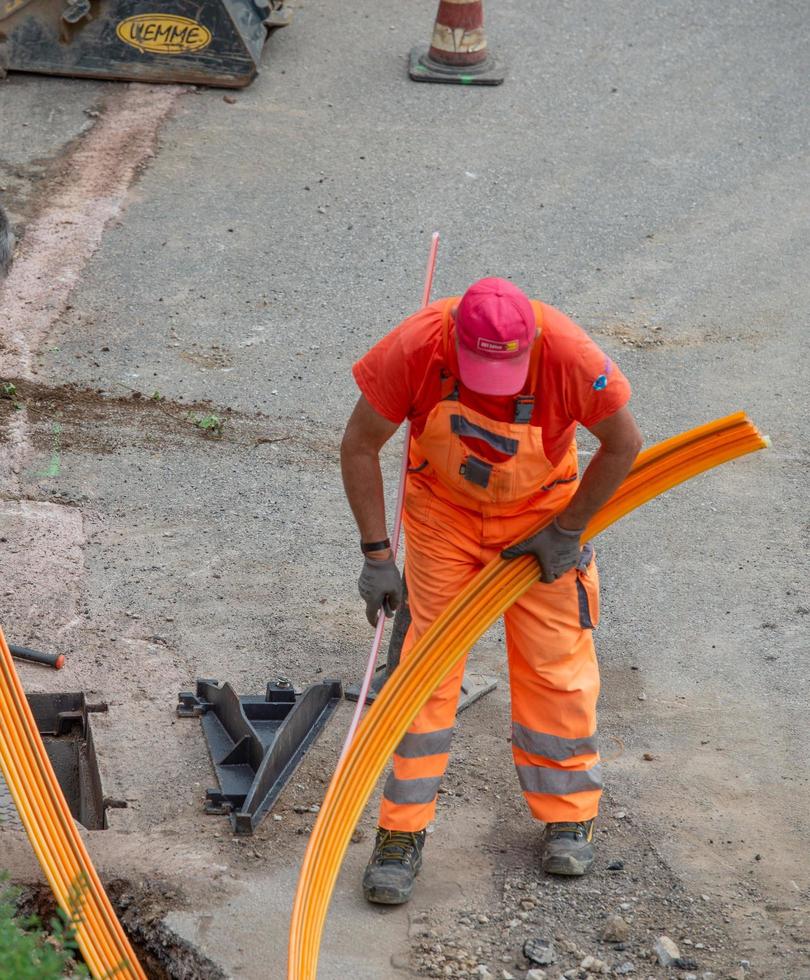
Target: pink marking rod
[(403, 476)]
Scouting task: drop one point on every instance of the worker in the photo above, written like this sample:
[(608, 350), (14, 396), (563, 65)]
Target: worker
[(494, 385)]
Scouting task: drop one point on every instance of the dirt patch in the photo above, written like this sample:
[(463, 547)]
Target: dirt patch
[(141, 909), (98, 420), (61, 418), (211, 358), (88, 400), (649, 336)]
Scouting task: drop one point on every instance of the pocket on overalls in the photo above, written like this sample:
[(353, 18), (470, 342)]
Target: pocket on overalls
[(587, 582), (418, 501), (486, 459), (476, 471)]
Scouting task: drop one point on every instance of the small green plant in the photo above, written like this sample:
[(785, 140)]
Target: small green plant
[(211, 425), (156, 396), (30, 951), (9, 390)]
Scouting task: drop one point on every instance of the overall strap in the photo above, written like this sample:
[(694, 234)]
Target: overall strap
[(534, 366), (448, 306), (449, 382), (524, 404)]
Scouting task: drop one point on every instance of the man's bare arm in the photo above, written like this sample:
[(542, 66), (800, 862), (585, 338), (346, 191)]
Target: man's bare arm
[(620, 441), (366, 433)]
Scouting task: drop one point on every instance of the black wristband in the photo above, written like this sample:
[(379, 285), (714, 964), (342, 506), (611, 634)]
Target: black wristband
[(367, 546)]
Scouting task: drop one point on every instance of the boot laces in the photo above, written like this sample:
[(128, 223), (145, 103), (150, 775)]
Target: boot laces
[(396, 846), (575, 830)]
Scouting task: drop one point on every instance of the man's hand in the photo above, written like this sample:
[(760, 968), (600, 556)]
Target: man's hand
[(556, 549), (380, 586)]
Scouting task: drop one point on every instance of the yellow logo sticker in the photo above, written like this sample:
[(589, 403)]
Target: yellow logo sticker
[(163, 34)]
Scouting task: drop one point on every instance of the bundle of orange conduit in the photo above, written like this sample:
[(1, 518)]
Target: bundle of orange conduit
[(493, 590), (59, 848)]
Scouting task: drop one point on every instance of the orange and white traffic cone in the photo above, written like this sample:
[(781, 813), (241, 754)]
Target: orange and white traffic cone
[(458, 48)]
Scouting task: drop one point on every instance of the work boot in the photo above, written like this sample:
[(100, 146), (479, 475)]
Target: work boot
[(394, 864), (568, 848)]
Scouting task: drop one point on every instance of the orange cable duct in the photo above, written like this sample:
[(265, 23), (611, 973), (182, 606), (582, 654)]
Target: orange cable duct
[(56, 842), (493, 590)]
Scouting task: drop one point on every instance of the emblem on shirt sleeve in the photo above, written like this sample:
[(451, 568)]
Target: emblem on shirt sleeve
[(601, 382)]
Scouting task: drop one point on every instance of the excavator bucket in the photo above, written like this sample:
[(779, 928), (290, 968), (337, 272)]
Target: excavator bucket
[(204, 42)]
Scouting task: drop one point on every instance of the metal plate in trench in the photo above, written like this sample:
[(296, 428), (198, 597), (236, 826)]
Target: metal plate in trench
[(64, 724)]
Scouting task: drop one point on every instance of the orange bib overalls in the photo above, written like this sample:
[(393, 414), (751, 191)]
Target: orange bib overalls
[(476, 486)]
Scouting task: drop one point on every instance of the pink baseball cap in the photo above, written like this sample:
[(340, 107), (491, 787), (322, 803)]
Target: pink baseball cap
[(495, 328)]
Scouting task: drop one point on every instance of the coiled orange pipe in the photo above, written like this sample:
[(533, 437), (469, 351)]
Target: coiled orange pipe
[(493, 590), (56, 842)]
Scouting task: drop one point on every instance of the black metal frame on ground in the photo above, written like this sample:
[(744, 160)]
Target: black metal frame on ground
[(256, 741)]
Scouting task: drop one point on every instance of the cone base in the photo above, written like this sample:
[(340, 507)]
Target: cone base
[(423, 68)]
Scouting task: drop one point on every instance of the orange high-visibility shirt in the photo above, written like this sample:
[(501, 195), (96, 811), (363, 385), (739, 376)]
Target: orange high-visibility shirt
[(577, 382)]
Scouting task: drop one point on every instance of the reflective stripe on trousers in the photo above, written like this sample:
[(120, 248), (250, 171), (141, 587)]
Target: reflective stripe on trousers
[(553, 672)]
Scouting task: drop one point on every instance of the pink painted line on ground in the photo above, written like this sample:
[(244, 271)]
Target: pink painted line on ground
[(58, 242)]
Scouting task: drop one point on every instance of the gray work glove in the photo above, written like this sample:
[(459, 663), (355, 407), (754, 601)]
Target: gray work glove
[(556, 548), (381, 586)]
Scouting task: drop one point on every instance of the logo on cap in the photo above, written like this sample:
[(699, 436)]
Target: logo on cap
[(496, 346)]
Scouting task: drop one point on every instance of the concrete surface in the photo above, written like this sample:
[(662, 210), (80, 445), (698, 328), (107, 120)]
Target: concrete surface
[(644, 167)]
